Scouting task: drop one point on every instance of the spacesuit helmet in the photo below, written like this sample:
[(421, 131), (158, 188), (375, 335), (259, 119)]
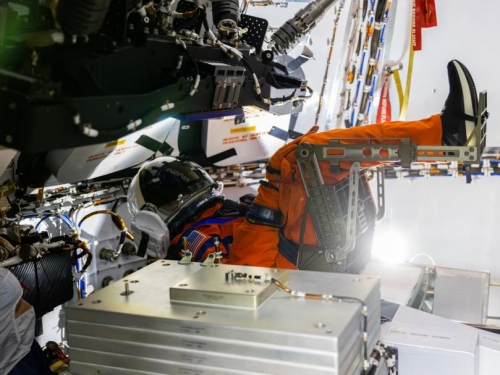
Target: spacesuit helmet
[(178, 190)]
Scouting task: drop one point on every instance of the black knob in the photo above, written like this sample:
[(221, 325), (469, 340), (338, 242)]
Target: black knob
[(267, 56)]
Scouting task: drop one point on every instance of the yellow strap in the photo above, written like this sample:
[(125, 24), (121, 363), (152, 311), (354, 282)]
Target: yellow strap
[(406, 99), (399, 86), (404, 105)]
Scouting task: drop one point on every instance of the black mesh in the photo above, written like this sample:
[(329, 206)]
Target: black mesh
[(46, 283)]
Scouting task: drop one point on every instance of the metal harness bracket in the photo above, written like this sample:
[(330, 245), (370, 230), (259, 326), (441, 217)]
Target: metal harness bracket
[(336, 234)]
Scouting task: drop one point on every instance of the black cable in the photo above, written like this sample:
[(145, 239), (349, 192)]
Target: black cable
[(204, 20), (247, 65), (117, 203), (96, 82), (190, 57), (37, 287), (114, 208)]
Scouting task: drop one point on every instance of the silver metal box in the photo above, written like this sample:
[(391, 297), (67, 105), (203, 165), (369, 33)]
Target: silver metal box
[(220, 286), (461, 295), (144, 331)]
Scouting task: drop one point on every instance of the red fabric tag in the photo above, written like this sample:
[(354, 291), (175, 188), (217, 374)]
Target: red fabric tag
[(429, 17), (416, 30), (384, 112)]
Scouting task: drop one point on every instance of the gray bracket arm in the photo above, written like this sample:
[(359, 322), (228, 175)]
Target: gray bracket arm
[(336, 234), (401, 150)]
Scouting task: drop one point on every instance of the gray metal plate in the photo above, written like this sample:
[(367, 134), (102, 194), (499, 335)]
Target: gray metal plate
[(284, 335), (220, 286)]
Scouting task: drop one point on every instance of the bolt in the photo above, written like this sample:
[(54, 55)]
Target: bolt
[(127, 290), (13, 106), (8, 138)]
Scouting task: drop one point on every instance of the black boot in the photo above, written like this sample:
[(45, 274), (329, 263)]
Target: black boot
[(459, 113)]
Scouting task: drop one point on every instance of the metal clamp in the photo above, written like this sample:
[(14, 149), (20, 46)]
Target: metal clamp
[(340, 254), (333, 232)]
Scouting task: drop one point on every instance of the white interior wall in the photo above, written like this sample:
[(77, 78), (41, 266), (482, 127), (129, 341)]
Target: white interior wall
[(455, 223)]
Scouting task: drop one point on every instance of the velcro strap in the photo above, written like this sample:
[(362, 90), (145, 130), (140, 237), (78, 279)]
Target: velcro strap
[(143, 245), (214, 159), (292, 134), (459, 116), (289, 249), (230, 207), (272, 170), (264, 216), (278, 133), (268, 184)]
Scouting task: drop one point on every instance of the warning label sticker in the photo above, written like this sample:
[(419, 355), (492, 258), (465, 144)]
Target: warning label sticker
[(243, 138), (110, 153)]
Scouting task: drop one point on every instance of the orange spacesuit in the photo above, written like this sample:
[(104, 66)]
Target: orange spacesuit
[(283, 196), (201, 234)]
